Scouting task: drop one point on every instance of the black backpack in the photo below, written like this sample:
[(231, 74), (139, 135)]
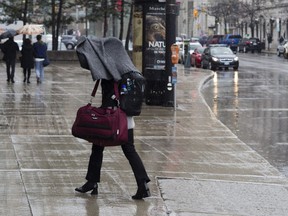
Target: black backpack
[(131, 88)]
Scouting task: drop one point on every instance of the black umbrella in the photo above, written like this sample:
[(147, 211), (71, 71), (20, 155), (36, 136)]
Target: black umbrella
[(8, 33)]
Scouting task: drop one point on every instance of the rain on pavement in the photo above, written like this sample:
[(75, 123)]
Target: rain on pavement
[(196, 164)]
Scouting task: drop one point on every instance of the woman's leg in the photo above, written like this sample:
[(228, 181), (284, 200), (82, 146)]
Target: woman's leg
[(41, 72), (28, 75), (37, 70), (13, 64), (24, 73), (93, 172), (8, 70), (95, 164), (134, 159)]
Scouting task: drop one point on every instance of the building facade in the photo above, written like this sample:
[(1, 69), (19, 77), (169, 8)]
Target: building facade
[(270, 22), (193, 19)]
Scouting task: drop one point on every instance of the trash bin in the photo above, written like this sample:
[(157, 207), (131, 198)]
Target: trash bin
[(155, 86)]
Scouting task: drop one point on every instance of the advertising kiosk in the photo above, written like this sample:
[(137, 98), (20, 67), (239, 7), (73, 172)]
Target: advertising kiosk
[(150, 49)]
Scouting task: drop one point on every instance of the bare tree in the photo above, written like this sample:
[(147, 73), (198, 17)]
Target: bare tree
[(224, 10), (251, 11)]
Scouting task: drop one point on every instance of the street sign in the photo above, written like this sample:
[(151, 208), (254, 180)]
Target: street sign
[(174, 75)]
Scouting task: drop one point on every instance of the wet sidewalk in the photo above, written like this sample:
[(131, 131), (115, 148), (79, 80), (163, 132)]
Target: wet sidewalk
[(196, 165)]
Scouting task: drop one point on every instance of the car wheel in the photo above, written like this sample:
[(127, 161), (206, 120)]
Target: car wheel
[(213, 67), (236, 67), (278, 53), (284, 51), (69, 46)]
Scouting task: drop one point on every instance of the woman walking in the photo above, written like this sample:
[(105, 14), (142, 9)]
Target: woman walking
[(95, 162), (27, 59)]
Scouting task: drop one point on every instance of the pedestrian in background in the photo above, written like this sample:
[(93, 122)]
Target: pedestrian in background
[(40, 52), (27, 59), (10, 49)]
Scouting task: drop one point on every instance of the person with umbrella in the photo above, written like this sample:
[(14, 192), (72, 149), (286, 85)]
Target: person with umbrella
[(10, 49), (40, 52)]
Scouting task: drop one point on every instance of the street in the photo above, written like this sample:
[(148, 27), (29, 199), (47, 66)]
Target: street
[(253, 103)]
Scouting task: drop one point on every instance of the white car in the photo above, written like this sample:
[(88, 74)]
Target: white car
[(282, 48)]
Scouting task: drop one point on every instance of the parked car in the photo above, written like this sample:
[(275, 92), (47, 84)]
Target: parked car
[(193, 46), (285, 54), (196, 57), (190, 46), (213, 39), (70, 41), (194, 39), (178, 39), (231, 40), (281, 49), (215, 57), (250, 44)]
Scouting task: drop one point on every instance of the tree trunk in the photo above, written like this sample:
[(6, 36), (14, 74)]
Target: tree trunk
[(105, 24), (53, 23), (128, 36), (121, 21), (59, 15)]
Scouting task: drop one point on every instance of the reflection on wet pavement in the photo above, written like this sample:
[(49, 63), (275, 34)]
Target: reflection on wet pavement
[(253, 103)]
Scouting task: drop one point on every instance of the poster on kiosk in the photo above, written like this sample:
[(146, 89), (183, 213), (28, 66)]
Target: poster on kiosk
[(155, 31)]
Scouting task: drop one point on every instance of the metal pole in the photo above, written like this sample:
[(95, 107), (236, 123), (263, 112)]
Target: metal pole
[(86, 21), (171, 12)]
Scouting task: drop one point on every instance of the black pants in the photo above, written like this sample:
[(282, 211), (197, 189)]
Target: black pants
[(95, 162), (10, 68), (27, 71)]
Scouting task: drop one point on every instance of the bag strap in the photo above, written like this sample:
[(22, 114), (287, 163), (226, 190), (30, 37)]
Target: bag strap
[(116, 91), (94, 91), (95, 88)]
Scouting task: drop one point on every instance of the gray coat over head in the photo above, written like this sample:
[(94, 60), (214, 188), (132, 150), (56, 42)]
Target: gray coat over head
[(106, 58)]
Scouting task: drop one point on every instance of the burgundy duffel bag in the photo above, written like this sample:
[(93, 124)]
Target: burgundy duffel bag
[(101, 126)]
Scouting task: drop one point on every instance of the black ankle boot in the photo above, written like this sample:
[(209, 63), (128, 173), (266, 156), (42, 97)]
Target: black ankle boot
[(142, 192), (88, 186)]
